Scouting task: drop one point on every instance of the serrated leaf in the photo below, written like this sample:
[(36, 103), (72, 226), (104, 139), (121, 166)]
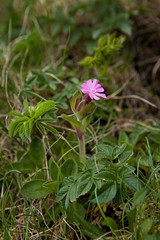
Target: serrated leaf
[(73, 192), (107, 175), (107, 149), (38, 125), (22, 135), (62, 193), (51, 129), (124, 157), (43, 107), (14, 122), (84, 183), (131, 181), (106, 193), (118, 150), (69, 168)]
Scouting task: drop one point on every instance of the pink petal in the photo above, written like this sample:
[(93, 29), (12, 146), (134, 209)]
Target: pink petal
[(98, 86), (95, 97), (85, 91), (101, 95), (100, 89), (84, 85), (95, 82), (89, 83), (91, 95)]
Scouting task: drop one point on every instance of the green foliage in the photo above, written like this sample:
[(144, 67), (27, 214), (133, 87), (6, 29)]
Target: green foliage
[(69, 168), (23, 124), (109, 16), (37, 152), (38, 189), (118, 188), (31, 160), (108, 46), (31, 42)]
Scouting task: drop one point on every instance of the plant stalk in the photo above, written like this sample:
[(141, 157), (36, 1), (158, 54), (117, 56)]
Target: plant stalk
[(82, 149)]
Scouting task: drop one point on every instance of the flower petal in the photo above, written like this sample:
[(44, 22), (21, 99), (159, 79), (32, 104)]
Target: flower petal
[(84, 85), (101, 95), (89, 83), (99, 89), (98, 86), (85, 91), (95, 97), (91, 95), (95, 82)]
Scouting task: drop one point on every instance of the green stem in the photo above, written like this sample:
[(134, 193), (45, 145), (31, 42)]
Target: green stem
[(82, 149)]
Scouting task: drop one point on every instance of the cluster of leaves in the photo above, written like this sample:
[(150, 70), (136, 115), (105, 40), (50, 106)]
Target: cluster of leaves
[(103, 181), (108, 175), (108, 46), (23, 123)]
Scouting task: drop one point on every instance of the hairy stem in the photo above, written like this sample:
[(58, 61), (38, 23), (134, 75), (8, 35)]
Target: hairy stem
[(82, 149)]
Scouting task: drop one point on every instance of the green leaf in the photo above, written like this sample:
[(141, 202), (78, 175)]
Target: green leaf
[(118, 150), (137, 135), (107, 175), (88, 62), (87, 110), (62, 193), (75, 209), (35, 189), (51, 186), (123, 138), (111, 223), (26, 165), (72, 121), (43, 107), (139, 196), (51, 129), (37, 152), (124, 157), (84, 183), (38, 125), (131, 181), (69, 168), (155, 137), (54, 170), (73, 192), (106, 193), (146, 226), (14, 122), (75, 100), (107, 149), (15, 113), (90, 230), (131, 216)]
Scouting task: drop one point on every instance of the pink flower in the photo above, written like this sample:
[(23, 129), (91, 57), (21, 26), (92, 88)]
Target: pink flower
[(93, 89)]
